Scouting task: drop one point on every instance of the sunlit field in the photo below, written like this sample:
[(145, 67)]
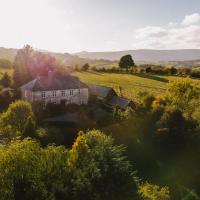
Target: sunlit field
[(131, 85)]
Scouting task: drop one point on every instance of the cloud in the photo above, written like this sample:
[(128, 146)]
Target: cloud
[(191, 19), (172, 36), (172, 24), (151, 32)]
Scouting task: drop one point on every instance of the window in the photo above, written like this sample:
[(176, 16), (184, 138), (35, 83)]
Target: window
[(44, 105), (54, 93), (43, 94), (79, 91), (63, 93), (71, 92)]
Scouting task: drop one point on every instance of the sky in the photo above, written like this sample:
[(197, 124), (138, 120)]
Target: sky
[(100, 25)]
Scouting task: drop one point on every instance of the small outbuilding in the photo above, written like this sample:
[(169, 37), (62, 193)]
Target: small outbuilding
[(110, 97), (120, 102), (101, 92)]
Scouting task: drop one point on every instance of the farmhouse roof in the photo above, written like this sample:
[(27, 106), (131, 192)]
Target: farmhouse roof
[(99, 90), (119, 101), (53, 82)]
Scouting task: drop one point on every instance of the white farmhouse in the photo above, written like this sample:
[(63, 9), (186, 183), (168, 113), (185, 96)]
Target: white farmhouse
[(56, 89)]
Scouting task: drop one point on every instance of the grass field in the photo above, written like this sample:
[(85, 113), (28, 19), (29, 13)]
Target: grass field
[(131, 84)]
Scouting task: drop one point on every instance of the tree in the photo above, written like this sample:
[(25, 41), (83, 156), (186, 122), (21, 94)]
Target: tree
[(22, 62), (173, 129), (146, 100), (99, 169), (16, 116), (29, 128), (6, 97), (183, 94), (85, 67), (5, 80), (173, 70), (31, 172), (126, 62), (42, 63), (148, 70), (153, 192), (93, 169)]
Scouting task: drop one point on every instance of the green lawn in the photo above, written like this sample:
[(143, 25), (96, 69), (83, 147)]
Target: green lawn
[(130, 84), (104, 64)]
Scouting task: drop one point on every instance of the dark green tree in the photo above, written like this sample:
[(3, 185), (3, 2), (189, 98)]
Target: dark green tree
[(85, 67), (29, 128), (173, 129), (94, 168), (126, 62), (173, 71), (5, 80), (99, 169), (148, 70), (6, 97)]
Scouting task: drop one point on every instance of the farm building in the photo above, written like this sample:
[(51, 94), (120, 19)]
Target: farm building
[(70, 90), (54, 89)]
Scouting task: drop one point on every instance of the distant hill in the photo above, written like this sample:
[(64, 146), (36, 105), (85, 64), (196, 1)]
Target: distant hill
[(8, 53), (146, 55), (188, 57), (68, 59)]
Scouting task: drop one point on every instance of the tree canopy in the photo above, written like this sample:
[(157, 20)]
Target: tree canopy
[(29, 63), (5, 80), (94, 168), (126, 62), (15, 118)]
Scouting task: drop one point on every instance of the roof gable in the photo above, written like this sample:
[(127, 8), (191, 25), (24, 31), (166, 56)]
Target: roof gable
[(100, 91), (45, 83), (119, 101)]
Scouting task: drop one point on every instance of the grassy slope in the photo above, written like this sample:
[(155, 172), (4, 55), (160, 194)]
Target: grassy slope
[(131, 84)]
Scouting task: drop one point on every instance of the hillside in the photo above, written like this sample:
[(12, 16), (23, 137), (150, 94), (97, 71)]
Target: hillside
[(146, 55), (184, 58), (66, 58), (130, 84)]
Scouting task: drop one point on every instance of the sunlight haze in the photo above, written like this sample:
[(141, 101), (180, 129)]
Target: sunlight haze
[(94, 25)]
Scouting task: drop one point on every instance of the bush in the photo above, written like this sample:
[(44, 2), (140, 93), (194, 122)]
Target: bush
[(153, 192), (94, 168), (16, 117), (5, 80)]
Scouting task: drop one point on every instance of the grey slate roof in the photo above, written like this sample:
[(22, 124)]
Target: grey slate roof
[(45, 83), (119, 101), (100, 91)]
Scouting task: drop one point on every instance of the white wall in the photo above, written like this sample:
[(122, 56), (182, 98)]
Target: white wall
[(71, 96)]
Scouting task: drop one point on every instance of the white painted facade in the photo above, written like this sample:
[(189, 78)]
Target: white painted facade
[(76, 96)]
